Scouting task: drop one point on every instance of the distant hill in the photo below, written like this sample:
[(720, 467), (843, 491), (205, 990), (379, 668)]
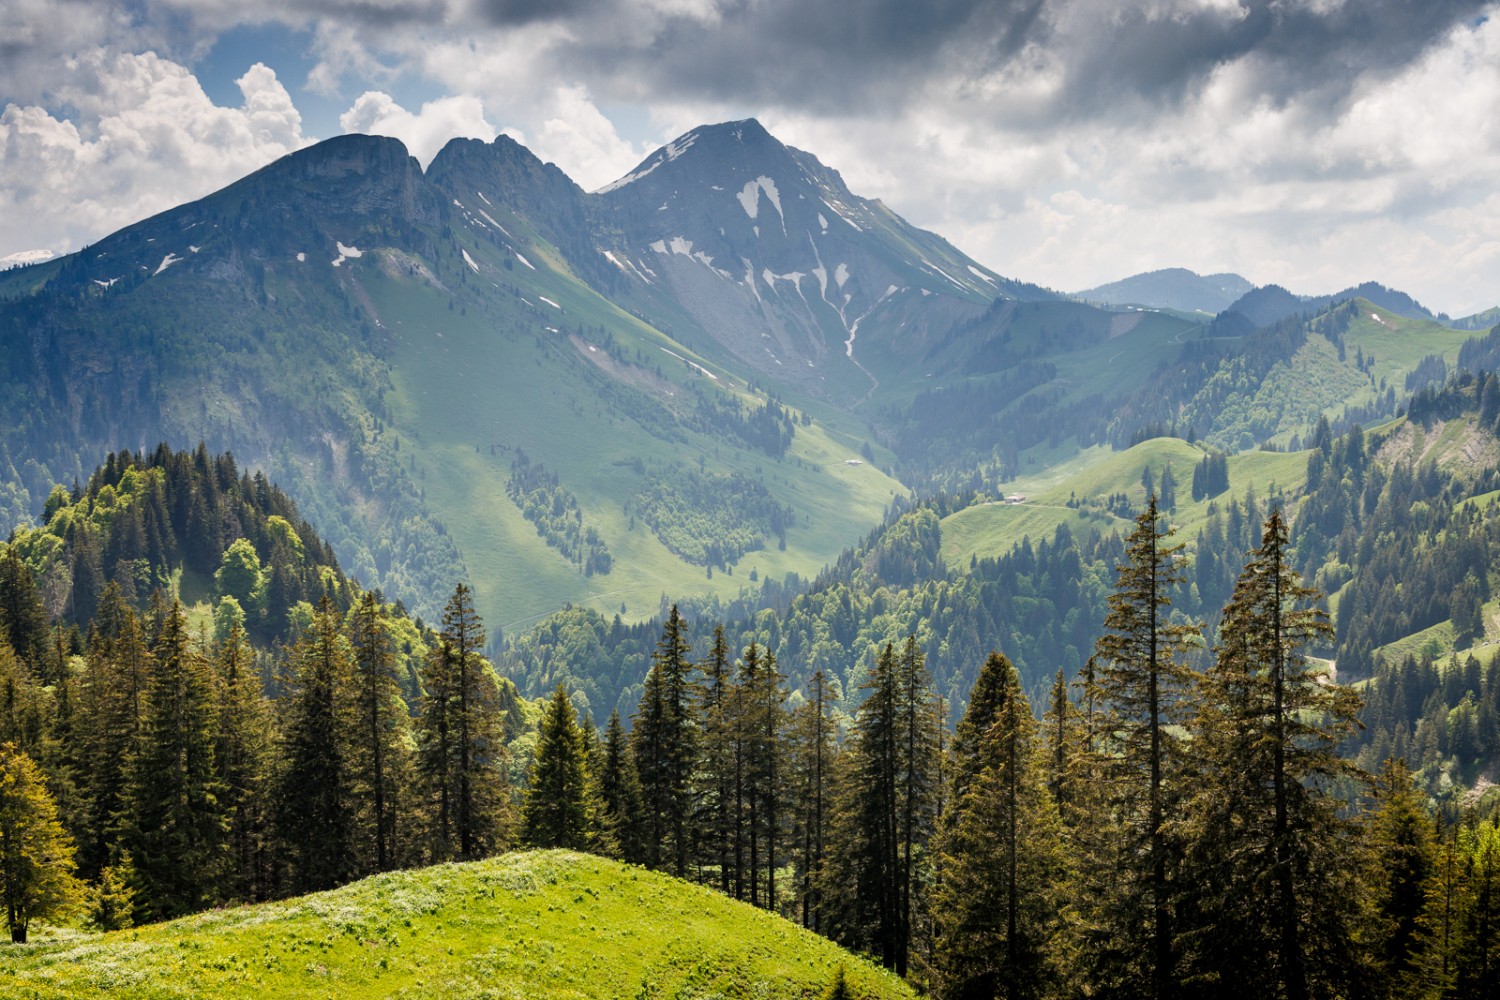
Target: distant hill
[(540, 925), (1171, 288), (1267, 304)]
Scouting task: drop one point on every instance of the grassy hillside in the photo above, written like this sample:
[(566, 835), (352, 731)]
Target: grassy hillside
[(527, 925), (991, 529), (601, 397)]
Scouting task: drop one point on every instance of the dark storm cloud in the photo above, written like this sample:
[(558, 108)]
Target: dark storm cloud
[(1293, 51), (516, 12), (861, 56)]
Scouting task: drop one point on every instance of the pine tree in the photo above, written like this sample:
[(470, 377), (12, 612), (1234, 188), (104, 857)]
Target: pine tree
[(23, 619), (811, 760), (1262, 821), (556, 813), (315, 819), (664, 744), (717, 816), (244, 752), (758, 721), (379, 759), (1140, 688), (111, 903), (886, 790), (920, 790), (111, 704), (620, 795), (171, 821), (462, 753), (1401, 858), (1001, 854)]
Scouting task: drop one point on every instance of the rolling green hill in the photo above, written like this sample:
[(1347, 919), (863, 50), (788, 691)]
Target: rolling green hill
[(530, 926), (1089, 477)]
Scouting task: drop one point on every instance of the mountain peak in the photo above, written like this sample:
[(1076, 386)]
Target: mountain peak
[(745, 143)]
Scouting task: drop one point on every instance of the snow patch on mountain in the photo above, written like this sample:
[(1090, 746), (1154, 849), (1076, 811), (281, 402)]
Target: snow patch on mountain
[(749, 199), (346, 253), (493, 222), (470, 261), (25, 257), (670, 152), (166, 262), (523, 260)]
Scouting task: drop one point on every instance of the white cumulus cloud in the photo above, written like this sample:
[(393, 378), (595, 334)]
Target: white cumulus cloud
[(424, 132), (141, 137)]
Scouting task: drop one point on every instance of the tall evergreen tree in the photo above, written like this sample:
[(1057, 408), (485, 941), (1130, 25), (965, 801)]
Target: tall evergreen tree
[(315, 818), (1401, 859), (244, 753), (664, 743), (759, 721), (111, 704), (1141, 687), (556, 810), (379, 759), (461, 739), (172, 823), (886, 788), (811, 765), (620, 795), (717, 816), (1002, 859), (1262, 820), (23, 618)]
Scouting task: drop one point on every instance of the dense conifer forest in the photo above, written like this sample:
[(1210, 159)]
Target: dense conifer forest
[(209, 712)]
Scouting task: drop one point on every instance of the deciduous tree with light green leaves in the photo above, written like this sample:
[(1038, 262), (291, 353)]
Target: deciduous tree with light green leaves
[(36, 854)]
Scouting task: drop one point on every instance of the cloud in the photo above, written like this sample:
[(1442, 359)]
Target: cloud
[(143, 138), (1064, 141), (424, 132)]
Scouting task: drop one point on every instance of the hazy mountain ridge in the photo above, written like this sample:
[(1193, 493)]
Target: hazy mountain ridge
[(1171, 288)]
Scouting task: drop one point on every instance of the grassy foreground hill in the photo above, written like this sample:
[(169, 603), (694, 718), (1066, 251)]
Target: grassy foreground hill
[(531, 925)]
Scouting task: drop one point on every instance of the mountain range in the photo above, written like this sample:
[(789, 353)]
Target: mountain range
[(719, 369)]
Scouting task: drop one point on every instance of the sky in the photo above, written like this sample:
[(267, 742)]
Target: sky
[(1315, 144)]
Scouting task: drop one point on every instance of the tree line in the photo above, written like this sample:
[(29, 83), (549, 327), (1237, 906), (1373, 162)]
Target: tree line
[(1165, 829)]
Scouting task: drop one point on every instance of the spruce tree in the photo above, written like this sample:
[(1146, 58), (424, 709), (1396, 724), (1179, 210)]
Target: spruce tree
[(1401, 859), (111, 704), (1266, 833), (885, 815), (811, 766), (315, 818), (1001, 853), (620, 795), (1141, 686), (664, 744), (717, 816), (172, 820), (23, 618), (379, 758), (244, 754), (462, 755), (556, 810)]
